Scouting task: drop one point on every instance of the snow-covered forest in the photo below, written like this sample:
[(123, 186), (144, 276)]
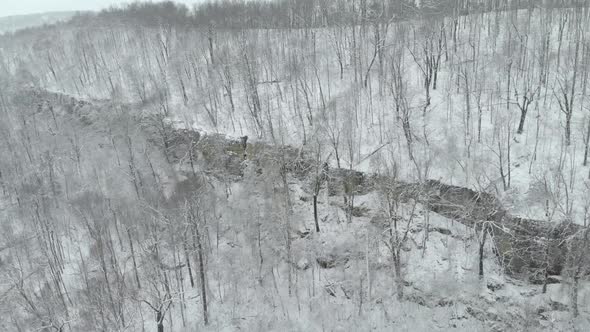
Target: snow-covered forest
[(298, 165)]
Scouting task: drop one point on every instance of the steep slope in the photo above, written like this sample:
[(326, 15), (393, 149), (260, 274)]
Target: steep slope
[(339, 278), (417, 174)]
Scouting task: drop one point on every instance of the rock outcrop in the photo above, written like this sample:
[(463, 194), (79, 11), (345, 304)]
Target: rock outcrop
[(528, 249)]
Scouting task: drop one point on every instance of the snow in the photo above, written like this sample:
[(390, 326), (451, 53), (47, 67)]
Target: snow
[(248, 266)]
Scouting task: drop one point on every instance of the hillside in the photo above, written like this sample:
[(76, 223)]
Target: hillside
[(342, 166), (18, 22)]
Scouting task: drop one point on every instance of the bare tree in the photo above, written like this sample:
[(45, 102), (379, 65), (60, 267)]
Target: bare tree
[(524, 99), (196, 216), (566, 94), (399, 218)]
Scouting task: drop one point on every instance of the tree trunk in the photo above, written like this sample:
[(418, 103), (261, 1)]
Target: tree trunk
[(545, 282), (160, 321), (521, 123), (202, 276), (587, 144), (315, 213), (575, 289), (568, 129), (481, 251), (210, 38), (133, 258), (188, 264), (398, 278)]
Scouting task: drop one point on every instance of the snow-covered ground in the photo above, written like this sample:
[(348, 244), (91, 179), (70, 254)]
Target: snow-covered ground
[(253, 282)]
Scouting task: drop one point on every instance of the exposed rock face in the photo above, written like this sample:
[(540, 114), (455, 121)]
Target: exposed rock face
[(331, 261), (528, 249), (462, 203), (532, 249), (342, 180)]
